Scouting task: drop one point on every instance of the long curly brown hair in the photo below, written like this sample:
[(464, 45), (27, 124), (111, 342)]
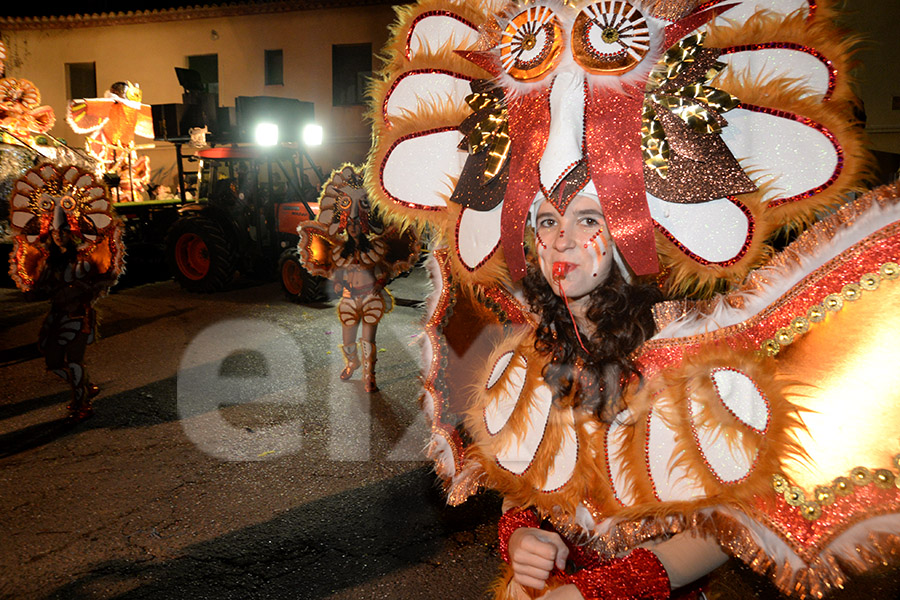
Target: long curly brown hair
[(621, 314)]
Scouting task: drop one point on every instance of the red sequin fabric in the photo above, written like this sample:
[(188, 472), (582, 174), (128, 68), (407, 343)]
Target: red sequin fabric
[(637, 576), (511, 520)]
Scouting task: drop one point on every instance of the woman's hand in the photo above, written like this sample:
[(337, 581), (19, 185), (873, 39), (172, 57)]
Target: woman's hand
[(566, 592), (533, 553)]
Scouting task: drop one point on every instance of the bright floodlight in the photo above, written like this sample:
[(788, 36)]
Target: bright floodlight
[(267, 134), (312, 135)]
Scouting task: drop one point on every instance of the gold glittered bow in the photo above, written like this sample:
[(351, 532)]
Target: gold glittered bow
[(698, 104), (487, 129)]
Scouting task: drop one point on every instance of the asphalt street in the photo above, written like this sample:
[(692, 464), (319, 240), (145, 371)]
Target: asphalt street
[(226, 459)]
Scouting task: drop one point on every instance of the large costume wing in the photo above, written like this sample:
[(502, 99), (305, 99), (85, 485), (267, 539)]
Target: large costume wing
[(769, 420), (87, 115)]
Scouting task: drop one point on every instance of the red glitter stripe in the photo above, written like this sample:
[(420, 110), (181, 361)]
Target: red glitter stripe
[(726, 263), (832, 71), (387, 155), (433, 13), (818, 127)]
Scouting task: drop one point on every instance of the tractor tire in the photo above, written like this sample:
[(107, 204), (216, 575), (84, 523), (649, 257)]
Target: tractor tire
[(201, 257), (298, 285)]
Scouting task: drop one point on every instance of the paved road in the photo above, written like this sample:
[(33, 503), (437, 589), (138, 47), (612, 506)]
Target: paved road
[(226, 459)]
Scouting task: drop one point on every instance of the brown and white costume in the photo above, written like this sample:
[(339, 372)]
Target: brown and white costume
[(351, 248)]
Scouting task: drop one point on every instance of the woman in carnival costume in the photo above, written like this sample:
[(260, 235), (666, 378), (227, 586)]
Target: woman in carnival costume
[(348, 245), (667, 142), (68, 247)]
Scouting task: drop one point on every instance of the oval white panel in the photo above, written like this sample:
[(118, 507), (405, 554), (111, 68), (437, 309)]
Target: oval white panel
[(795, 156), (519, 454), (670, 482), (616, 439), (419, 171), (499, 368), (434, 31), (478, 235), (20, 201), (769, 63), (730, 463), (101, 220), (744, 10), (498, 410), (715, 231), (20, 218), (414, 89), (564, 463), (99, 204), (741, 396)]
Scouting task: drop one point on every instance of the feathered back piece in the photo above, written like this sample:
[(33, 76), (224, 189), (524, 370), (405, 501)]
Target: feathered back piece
[(62, 205)]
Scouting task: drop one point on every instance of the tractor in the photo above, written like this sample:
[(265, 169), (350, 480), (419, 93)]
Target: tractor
[(253, 199)]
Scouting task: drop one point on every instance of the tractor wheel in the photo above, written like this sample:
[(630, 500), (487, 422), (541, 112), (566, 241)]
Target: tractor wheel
[(297, 283), (200, 255)]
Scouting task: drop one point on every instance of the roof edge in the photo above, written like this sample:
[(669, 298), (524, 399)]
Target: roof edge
[(205, 11)]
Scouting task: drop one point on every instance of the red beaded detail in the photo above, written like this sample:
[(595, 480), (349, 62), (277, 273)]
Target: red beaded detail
[(638, 576), (751, 226), (511, 520), (387, 155), (434, 13), (832, 72), (387, 97), (818, 127)]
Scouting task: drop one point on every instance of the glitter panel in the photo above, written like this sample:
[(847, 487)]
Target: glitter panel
[(832, 72), (818, 127), (615, 161), (432, 13), (413, 73), (387, 156), (726, 263)]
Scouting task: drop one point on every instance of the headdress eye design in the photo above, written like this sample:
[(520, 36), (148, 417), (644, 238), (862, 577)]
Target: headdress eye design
[(610, 37), (531, 44), (67, 202), (344, 201), (46, 203)]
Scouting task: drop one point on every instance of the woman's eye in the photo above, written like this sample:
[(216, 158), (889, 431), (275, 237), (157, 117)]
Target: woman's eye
[(546, 223)]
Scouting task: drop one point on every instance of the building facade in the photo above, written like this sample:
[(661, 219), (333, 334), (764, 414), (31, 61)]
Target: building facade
[(319, 52)]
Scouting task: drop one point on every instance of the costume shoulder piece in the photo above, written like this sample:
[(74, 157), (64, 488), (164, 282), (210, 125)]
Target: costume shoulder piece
[(51, 203), (733, 115)]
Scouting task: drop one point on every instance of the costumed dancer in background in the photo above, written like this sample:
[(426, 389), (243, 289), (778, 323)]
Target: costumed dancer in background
[(348, 245), (112, 122), (68, 247), (680, 139)]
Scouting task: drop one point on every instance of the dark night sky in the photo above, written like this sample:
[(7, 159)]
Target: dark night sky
[(21, 8)]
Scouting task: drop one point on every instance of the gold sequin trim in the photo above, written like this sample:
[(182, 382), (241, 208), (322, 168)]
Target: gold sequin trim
[(831, 303), (825, 495)]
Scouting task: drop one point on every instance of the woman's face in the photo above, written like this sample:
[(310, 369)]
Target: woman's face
[(574, 249)]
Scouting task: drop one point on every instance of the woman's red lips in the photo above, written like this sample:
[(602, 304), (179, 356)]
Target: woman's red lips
[(561, 269)]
